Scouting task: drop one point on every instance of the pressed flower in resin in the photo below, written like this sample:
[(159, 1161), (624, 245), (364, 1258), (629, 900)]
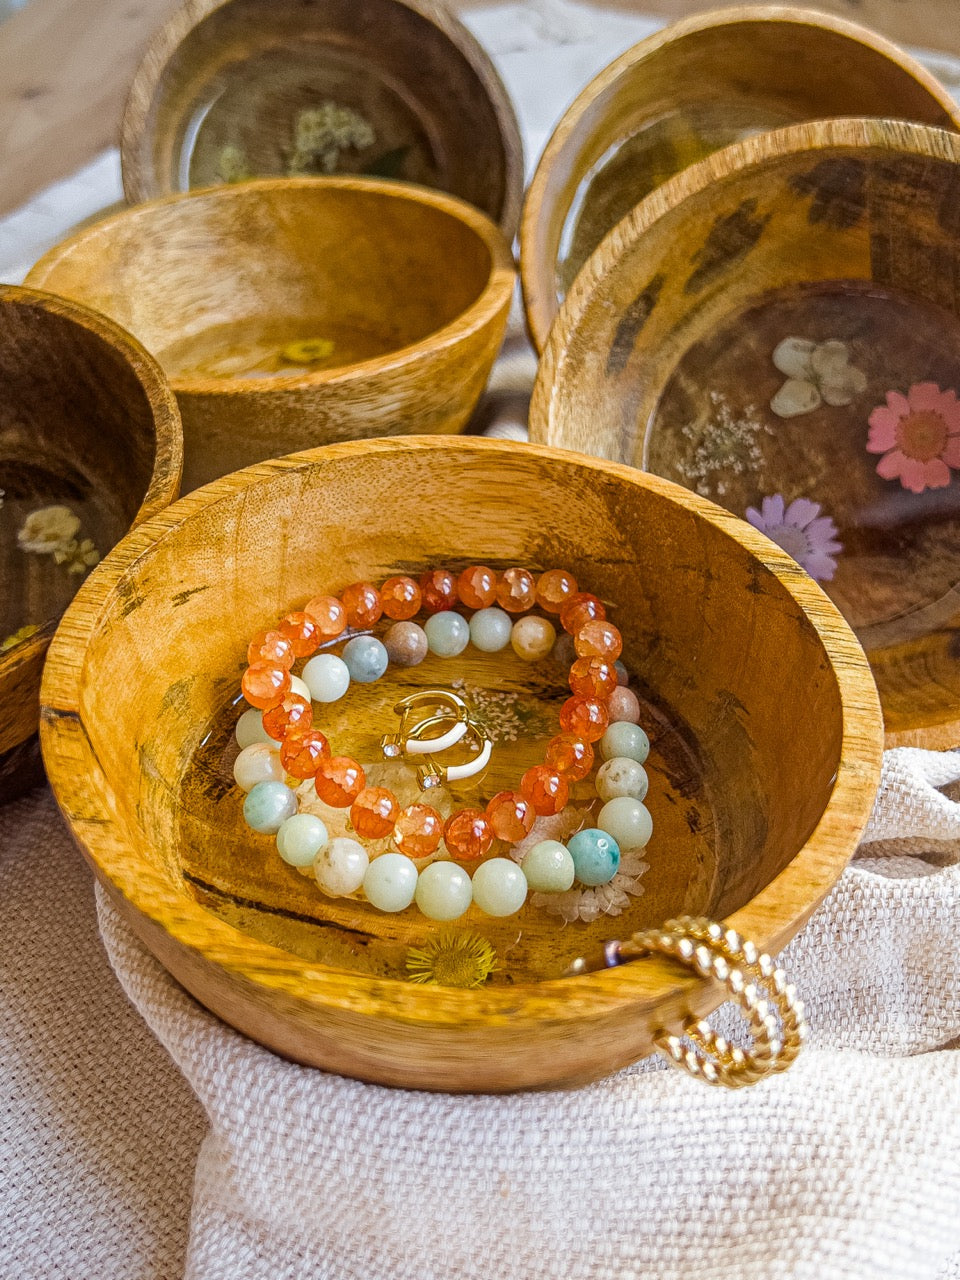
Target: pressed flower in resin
[(48, 529), (816, 372), (609, 899), (800, 529), (452, 960), (918, 435)]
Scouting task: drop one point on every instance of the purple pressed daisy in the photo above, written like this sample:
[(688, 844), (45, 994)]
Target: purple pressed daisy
[(801, 531)]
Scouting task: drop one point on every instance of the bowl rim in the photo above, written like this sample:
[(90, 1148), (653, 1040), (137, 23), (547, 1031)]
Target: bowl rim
[(771, 918), (168, 453), (482, 311), (539, 312), (139, 180)]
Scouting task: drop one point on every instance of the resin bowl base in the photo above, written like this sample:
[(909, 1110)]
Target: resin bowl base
[(772, 326), (761, 710)]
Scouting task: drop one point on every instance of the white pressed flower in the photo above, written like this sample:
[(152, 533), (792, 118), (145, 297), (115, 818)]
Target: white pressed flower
[(588, 905), (557, 826), (78, 557), (48, 530)]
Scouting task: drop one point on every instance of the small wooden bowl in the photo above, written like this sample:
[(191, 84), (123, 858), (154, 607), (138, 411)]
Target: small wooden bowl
[(86, 420), (223, 84), (760, 785), (712, 79), (411, 288), (686, 282)]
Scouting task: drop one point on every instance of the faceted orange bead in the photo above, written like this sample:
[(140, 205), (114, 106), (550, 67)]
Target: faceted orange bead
[(468, 834), (554, 589), (302, 751), (598, 639), (329, 615), (291, 712), (339, 781), (374, 812), (400, 598), (593, 677), (477, 587), (511, 816), (439, 590), (362, 603), (302, 632), (586, 717), (271, 647), (545, 788), (570, 755), (517, 590), (264, 685), (417, 831), (579, 609)]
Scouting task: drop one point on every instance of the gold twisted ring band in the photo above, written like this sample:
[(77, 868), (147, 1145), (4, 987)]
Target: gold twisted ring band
[(767, 1000)]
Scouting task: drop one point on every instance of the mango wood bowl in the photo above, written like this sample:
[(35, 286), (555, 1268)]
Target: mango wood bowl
[(763, 717), (230, 89), (779, 323), (298, 312), (688, 90), (87, 422)]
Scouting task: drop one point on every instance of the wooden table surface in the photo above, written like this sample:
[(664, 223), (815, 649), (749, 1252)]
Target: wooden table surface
[(65, 66)]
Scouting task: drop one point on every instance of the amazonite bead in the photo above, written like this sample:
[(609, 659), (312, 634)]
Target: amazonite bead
[(490, 630), (390, 882), (596, 856), (340, 868), (300, 686), (301, 838), (366, 659), (444, 891), (267, 807), (327, 677), (250, 729), (625, 739), (621, 776), (548, 867), (499, 887), (448, 633), (258, 763), (623, 675), (628, 821)]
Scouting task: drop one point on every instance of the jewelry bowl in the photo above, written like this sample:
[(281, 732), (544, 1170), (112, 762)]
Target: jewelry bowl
[(226, 87), (86, 421), (763, 717), (298, 312), (702, 83), (667, 355)]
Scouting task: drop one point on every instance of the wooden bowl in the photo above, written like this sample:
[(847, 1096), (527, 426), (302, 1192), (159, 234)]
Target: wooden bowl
[(698, 85), (402, 292), (760, 785), (221, 91), (86, 421), (665, 356)]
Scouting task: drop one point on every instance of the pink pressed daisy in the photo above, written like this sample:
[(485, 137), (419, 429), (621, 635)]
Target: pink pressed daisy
[(801, 531), (918, 435)]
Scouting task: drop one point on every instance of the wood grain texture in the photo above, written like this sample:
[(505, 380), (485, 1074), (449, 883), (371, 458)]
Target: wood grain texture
[(425, 278), (80, 398), (772, 65), (735, 646), (852, 200), (413, 66)]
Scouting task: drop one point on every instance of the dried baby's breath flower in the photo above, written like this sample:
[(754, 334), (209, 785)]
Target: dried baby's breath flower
[(48, 530), (452, 960), (78, 557), (725, 447)]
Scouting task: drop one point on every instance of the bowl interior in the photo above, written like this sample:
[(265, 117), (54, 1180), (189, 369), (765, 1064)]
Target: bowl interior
[(685, 93), (787, 326), (77, 430), (743, 762), (276, 280), (261, 88)]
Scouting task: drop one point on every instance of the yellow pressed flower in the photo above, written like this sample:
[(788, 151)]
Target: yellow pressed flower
[(452, 960), (23, 634), (309, 351)]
